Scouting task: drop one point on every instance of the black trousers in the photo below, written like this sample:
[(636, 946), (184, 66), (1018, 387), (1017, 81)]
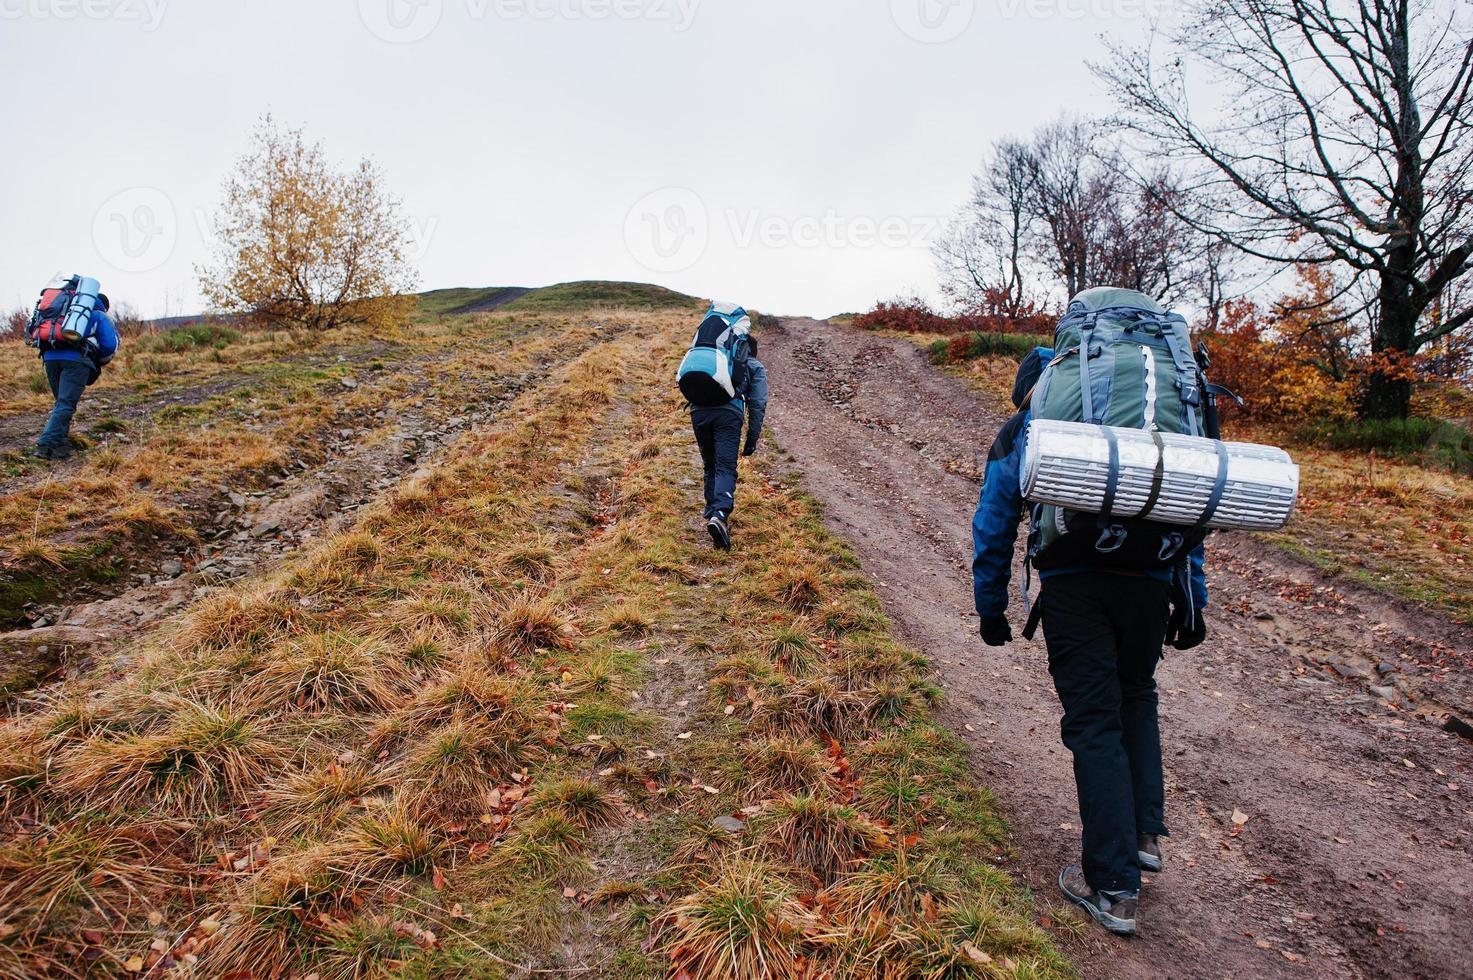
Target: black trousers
[(719, 435), (1104, 634)]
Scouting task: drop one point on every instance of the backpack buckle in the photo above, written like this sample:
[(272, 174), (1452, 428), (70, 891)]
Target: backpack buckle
[(1171, 545), (1111, 539)]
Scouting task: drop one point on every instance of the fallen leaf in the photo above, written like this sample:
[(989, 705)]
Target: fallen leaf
[(155, 918), (1239, 819), (209, 926), (683, 736), (133, 964), (438, 880), (712, 790), (570, 892), (974, 954)]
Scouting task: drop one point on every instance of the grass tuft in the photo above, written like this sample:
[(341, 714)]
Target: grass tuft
[(745, 921)]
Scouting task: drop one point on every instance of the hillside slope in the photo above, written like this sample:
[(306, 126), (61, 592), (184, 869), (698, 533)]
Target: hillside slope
[(506, 712)]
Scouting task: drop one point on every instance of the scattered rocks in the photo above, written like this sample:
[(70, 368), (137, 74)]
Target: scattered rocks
[(729, 824), (348, 383), (172, 568)]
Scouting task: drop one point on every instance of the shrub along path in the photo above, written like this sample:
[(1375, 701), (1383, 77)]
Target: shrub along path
[(1317, 826)]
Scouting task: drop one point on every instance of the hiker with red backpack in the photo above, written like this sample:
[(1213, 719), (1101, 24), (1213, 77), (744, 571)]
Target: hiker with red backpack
[(76, 338), (724, 384), (1114, 591)]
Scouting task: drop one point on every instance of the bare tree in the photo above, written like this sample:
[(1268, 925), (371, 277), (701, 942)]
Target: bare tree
[(1343, 138), (1070, 195), (1062, 212), (982, 256)]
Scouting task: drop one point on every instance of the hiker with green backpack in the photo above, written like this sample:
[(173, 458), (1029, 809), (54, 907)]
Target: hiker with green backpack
[(1115, 590), (724, 384)]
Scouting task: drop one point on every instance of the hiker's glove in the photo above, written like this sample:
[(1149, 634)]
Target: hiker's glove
[(750, 447), (1184, 636), (996, 631)]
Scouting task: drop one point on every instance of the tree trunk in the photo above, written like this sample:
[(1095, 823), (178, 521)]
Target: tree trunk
[(1387, 397)]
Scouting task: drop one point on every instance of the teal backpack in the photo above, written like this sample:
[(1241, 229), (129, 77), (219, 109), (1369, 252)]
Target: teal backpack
[(1124, 361)]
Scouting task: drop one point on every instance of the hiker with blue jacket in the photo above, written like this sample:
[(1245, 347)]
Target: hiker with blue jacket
[(1104, 627), (725, 385), (72, 357)]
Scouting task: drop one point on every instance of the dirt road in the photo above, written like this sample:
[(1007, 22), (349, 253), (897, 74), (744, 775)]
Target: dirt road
[(1356, 856)]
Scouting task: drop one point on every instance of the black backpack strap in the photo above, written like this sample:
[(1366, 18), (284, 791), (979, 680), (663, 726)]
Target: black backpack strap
[(1158, 478), (1112, 479), (1219, 487)]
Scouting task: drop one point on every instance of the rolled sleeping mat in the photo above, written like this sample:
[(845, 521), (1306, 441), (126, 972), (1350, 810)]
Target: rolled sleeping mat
[(78, 324), (1182, 480)]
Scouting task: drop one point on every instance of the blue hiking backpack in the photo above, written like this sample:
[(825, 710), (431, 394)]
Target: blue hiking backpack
[(714, 370)]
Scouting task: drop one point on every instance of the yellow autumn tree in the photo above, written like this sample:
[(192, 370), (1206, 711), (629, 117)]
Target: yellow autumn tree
[(301, 243)]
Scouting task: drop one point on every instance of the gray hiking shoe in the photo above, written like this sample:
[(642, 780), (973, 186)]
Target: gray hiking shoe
[(41, 452), (1116, 911), (1148, 849), (720, 532)]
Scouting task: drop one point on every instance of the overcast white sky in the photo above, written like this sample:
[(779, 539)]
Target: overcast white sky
[(793, 155)]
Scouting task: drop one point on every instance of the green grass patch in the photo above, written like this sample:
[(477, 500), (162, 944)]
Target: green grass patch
[(1445, 445), (594, 295), (193, 336), (970, 346)]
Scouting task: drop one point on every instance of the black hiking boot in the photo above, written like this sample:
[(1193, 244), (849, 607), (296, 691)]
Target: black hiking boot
[(1148, 849), (720, 531), (41, 452), (1116, 911)]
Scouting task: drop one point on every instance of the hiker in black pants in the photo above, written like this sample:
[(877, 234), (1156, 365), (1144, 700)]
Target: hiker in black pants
[(720, 403), (1104, 629)]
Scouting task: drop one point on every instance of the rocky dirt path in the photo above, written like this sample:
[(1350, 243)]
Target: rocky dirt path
[(1309, 712)]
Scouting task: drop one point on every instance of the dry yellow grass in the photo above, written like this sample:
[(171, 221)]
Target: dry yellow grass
[(433, 744)]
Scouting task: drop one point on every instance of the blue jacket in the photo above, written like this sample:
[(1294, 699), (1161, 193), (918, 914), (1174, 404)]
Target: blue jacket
[(1000, 510), (751, 401), (106, 336)]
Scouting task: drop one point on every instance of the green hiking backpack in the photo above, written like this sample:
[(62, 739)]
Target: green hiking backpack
[(1122, 360)]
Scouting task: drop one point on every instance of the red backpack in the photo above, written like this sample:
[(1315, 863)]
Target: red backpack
[(62, 319)]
